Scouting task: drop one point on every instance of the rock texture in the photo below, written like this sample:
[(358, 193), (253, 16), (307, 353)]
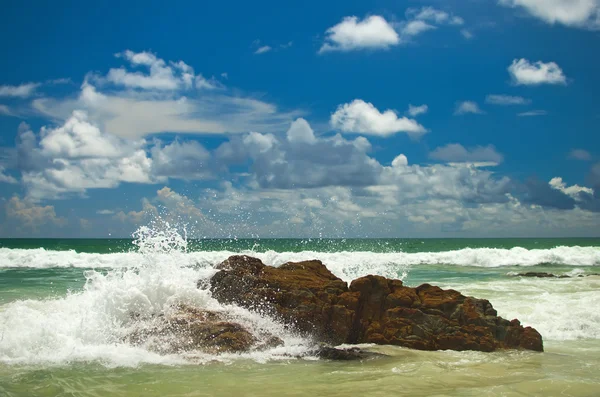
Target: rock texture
[(373, 309)]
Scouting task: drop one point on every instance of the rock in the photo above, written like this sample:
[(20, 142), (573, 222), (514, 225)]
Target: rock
[(301, 294), (309, 298), (542, 275), (550, 275), (351, 354), (191, 329)]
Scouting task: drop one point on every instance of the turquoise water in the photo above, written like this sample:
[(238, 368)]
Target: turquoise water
[(65, 305), (316, 244)]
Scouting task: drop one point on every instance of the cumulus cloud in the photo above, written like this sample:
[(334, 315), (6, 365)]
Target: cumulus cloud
[(19, 91), (456, 153), (571, 191), (373, 32), (363, 117), (493, 99), (160, 75), (524, 72), (302, 160), (180, 159), (78, 155), (580, 154), (30, 216), (301, 132), (415, 111), (467, 107), (574, 13)]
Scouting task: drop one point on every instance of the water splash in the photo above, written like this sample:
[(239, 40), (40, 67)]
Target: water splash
[(94, 324)]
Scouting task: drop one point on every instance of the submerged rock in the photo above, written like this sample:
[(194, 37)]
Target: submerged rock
[(351, 354), (190, 329), (550, 275), (309, 298), (542, 275)]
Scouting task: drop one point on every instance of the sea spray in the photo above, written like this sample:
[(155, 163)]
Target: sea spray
[(93, 324)]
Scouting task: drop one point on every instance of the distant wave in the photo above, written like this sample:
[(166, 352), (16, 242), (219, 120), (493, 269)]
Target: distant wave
[(345, 264)]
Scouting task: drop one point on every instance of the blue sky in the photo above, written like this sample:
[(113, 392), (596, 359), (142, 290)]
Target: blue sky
[(301, 119)]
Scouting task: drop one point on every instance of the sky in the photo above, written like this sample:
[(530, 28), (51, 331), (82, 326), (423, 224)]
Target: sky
[(454, 118)]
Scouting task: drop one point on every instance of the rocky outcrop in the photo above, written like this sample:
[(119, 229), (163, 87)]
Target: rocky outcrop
[(309, 298)]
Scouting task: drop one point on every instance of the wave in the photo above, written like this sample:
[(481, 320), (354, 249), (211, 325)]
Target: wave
[(336, 261), (560, 309)]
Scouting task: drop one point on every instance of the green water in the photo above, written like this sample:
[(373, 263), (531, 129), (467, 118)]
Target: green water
[(315, 244), (38, 297)]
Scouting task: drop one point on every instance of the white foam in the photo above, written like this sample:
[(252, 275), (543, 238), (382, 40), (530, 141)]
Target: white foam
[(92, 325), (560, 309)]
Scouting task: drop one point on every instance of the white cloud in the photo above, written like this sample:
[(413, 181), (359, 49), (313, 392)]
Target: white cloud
[(105, 212), (533, 113), (580, 154), (373, 32), (415, 111), (78, 138), (5, 110), (425, 19), (6, 178), (574, 13), (359, 116), (506, 100), (78, 156), (571, 191), (136, 114), (185, 160), (467, 34), (456, 153), (300, 131), (524, 72), (263, 49), (30, 216), (466, 107), (302, 160), (157, 96), (435, 15), (415, 28), (20, 91), (161, 76)]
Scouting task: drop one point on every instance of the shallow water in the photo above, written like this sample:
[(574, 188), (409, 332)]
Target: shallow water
[(565, 369), (63, 316)]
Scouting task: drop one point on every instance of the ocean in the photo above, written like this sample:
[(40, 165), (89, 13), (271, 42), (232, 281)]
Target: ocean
[(66, 304)]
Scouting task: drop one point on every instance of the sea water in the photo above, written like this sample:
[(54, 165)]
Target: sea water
[(66, 309)]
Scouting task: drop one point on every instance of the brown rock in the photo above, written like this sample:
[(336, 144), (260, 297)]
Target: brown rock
[(374, 309)]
